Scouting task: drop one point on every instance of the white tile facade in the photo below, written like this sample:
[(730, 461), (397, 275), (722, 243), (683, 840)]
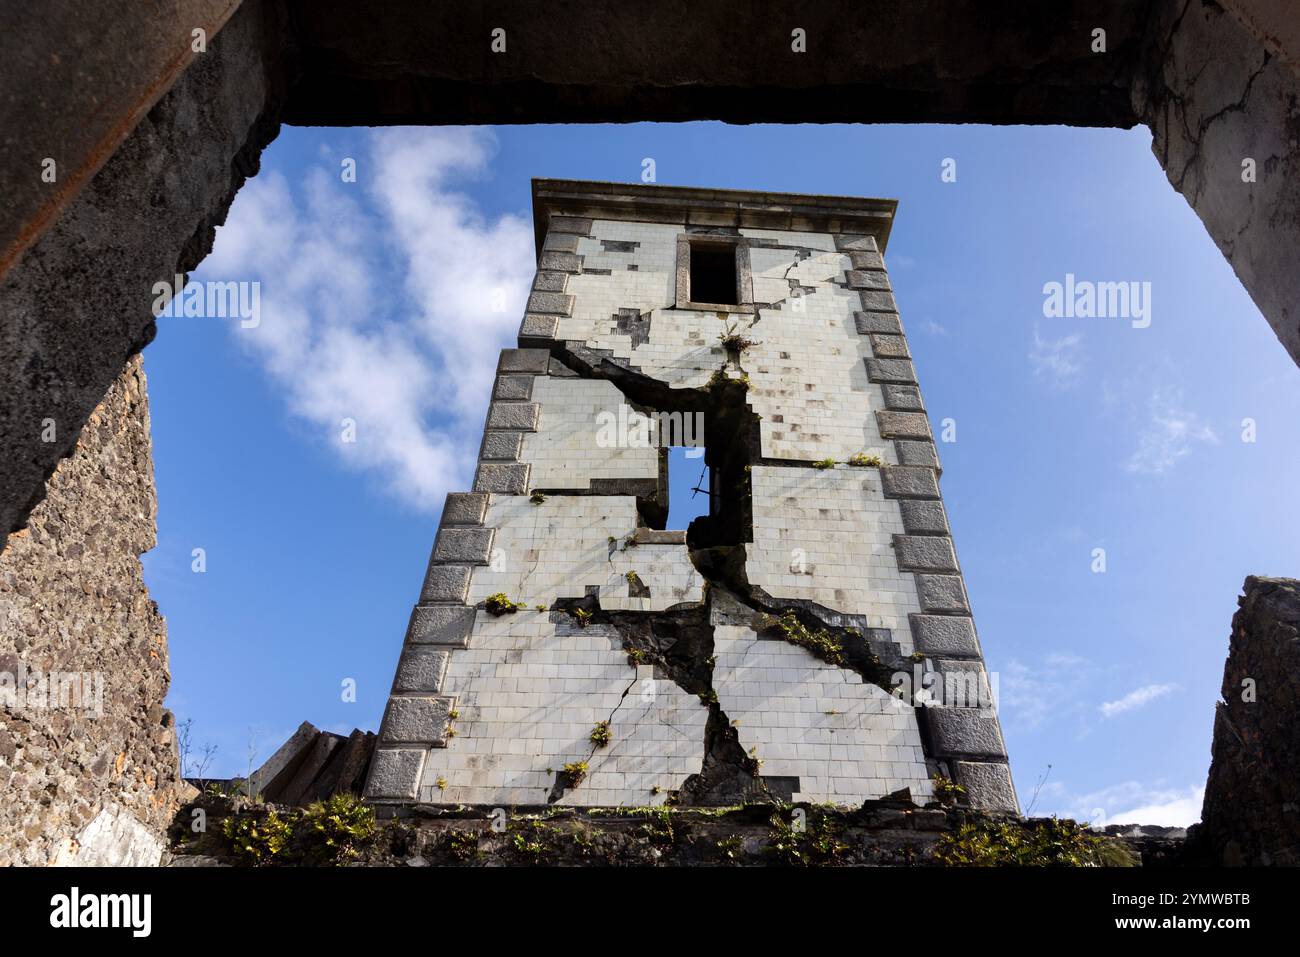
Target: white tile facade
[(845, 740), (527, 700), (571, 445), (529, 690), (559, 547), (807, 377), (826, 535)]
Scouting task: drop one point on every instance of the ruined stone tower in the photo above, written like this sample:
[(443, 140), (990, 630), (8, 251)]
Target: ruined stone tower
[(809, 639)]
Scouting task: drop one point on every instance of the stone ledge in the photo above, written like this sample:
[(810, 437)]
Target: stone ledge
[(517, 416), (535, 330), (988, 785), (866, 260), (929, 553), (464, 508), (903, 425), (654, 536), (579, 225), (924, 517), (502, 478), (883, 322), (421, 670), (563, 262), (965, 732), (561, 242), (468, 546), (944, 594), (445, 583), (867, 279), (551, 303), (917, 454), (938, 635), (898, 371), (417, 720), (395, 773), (518, 388), (502, 446), (903, 398), (904, 481), (530, 361), (875, 300), (889, 347), (550, 281), (448, 625), (855, 244)]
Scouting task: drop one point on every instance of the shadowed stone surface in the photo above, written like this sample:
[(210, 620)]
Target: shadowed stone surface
[(1251, 812)]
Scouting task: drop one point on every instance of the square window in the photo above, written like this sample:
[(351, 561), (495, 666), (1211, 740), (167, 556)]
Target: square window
[(713, 273)]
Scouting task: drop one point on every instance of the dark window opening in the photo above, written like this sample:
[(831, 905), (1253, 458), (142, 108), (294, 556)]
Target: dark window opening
[(713, 274)]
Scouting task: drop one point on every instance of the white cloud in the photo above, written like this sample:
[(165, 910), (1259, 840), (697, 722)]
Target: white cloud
[(1134, 699), (384, 302), (1057, 361), (1129, 802), (1169, 435), (1166, 808)]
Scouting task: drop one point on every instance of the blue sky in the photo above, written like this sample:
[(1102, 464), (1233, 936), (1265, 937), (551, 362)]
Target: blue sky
[(385, 300)]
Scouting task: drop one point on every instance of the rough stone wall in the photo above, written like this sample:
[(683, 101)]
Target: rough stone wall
[(1215, 97), (672, 637), (1251, 813), (73, 601)]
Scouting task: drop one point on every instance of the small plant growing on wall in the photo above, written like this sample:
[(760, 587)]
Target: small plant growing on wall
[(824, 464), (574, 773), (583, 616), (537, 498), (499, 605), (864, 461), (733, 341), (947, 791), (820, 642), (633, 578), (600, 734)]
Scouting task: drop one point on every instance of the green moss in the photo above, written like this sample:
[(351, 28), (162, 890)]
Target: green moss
[(820, 642), (322, 834), (817, 843), (1051, 843), (499, 604)]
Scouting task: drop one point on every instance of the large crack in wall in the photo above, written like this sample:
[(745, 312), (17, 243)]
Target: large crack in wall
[(680, 641)]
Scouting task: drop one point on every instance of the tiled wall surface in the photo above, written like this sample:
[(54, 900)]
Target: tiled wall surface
[(528, 696), (561, 547), (826, 535), (570, 448), (844, 740), (488, 709)]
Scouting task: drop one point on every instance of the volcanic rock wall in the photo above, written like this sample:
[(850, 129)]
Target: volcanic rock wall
[(83, 649)]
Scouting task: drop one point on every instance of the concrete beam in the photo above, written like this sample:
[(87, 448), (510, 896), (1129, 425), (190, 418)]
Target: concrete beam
[(79, 76)]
